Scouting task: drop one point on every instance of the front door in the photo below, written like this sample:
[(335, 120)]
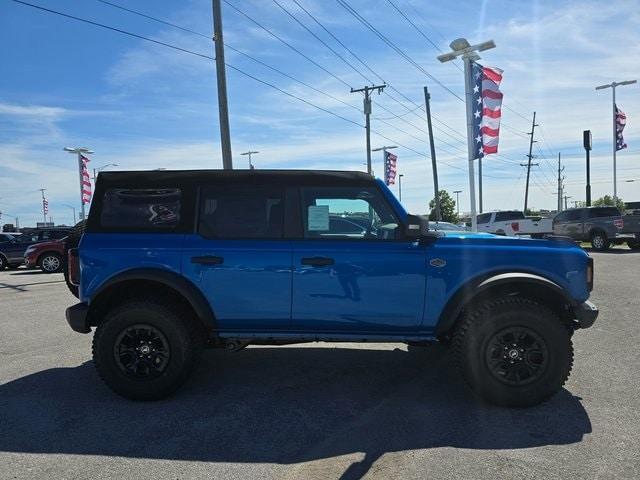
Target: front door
[(240, 259), (352, 271)]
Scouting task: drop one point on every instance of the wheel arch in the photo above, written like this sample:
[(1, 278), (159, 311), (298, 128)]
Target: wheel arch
[(527, 285), (149, 282), (595, 230)]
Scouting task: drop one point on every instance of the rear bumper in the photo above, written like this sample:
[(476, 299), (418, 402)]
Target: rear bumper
[(77, 317), (586, 314)]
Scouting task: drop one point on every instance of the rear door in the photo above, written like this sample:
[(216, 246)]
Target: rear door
[(363, 280), (240, 258)]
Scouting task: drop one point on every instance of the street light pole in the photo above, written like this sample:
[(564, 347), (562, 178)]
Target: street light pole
[(461, 47), (400, 187), (79, 151), (458, 192), (249, 153), (384, 157), (96, 171), (613, 86)]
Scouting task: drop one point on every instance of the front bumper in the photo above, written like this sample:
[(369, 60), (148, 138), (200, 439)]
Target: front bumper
[(31, 261), (77, 317), (586, 314)]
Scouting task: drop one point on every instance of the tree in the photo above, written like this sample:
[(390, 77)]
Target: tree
[(447, 208), (607, 201)]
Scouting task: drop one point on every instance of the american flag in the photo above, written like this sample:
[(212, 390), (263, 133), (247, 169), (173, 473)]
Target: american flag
[(621, 121), (45, 206), (86, 181), (487, 104), (390, 170)]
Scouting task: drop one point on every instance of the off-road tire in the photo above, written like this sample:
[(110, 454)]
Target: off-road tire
[(472, 346), (599, 241), (48, 265), (179, 328)]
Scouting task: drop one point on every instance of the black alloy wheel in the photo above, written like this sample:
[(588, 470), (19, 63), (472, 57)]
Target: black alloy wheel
[(516, 356), (142, 351)]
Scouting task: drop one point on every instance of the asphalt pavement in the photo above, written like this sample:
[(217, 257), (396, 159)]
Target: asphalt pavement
[(314, 411)]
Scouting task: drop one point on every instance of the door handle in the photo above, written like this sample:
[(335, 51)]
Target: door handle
[(317, 261), (207, 260)]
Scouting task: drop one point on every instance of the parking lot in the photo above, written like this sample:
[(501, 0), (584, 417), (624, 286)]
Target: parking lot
[(313, 411)]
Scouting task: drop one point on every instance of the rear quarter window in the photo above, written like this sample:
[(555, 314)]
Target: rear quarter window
[(604, 212), (141, 209)]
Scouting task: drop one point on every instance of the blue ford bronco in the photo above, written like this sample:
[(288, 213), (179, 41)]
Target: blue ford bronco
[(171, 262)]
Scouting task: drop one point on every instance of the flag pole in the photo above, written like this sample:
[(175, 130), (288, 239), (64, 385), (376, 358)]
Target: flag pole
[(461, 47), (613, 86)]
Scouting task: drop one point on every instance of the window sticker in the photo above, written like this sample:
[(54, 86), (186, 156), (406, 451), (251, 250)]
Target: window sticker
[(318, 218)]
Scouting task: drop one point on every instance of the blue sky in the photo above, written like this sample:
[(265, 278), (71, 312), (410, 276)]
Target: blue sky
[(145, 106)]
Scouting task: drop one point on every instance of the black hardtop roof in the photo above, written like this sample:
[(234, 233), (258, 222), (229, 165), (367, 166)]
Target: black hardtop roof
[(289, 177)]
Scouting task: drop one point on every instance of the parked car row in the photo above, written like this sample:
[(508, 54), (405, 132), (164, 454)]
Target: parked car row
[(601, 226), (42, 248)]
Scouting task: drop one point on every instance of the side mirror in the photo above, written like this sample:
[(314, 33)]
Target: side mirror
[(417, 227)]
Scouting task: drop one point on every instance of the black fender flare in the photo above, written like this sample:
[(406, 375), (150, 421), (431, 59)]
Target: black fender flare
[(477, 287), (187, 289)]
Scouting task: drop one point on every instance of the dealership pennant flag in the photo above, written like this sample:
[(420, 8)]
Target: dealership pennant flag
[(86, 181), (45, 206), (487, 108), (621, 121), (390, 162)]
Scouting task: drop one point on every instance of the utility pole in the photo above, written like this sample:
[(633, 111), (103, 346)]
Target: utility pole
[(249, 153), (400, 187), (432, 147), (45, 208), (221, 78), (461, 47), (560, 170), (458, 192), (530, 156), (586, 141), (367, 115)]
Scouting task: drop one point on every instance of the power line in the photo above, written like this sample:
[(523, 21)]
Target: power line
[(393, 46), (277, 37)]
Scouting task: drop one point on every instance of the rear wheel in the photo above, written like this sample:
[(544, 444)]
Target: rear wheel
[(599, 241), (51, 263), (145, 349), (3, 262), (513, 352)]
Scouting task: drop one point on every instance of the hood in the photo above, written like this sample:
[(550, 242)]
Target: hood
[(490, 239)]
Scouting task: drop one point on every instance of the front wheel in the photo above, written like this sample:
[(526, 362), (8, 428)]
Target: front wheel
[(146, 349), (513, 352), (599, 241)]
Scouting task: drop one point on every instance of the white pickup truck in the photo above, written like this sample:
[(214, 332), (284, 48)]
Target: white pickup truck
[(512, 223)]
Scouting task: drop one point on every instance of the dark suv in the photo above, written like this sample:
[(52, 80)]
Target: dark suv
[(171, 262), (602, 226)]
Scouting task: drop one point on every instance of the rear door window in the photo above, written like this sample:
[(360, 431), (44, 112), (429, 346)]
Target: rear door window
[(604, 212), (141, 208), (506, 216), (241, 212)]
